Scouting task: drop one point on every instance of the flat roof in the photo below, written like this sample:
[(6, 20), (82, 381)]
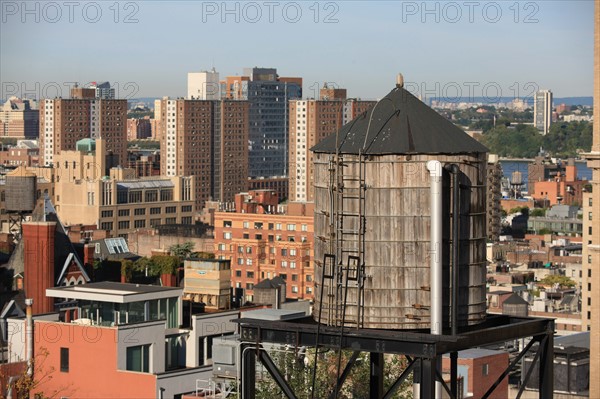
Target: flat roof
[(107, 291)]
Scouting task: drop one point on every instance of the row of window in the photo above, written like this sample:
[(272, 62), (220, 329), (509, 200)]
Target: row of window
[(142, 211), (271, 226)]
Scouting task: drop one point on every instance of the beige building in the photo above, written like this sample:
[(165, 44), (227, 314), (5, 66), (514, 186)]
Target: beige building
[(310, 121), (208, 140), (117, 202), (19, 118), (591, 230), (63, 122)]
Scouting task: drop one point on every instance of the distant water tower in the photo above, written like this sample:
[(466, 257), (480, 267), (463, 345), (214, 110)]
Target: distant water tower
[(20, 198), (516, 182)]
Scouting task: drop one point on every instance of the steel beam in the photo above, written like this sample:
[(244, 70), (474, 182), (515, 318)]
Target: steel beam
[(266, 360), (376, 375)]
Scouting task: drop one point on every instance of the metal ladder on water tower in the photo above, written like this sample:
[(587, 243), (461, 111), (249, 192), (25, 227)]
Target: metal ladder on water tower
[(349, 236)]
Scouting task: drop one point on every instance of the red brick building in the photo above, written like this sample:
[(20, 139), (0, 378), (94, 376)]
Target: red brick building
[(263, 241), (479, 369)]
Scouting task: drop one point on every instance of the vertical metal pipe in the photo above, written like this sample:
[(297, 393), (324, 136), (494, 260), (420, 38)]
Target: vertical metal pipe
[(455, 171), (29, 335), (435, 174)]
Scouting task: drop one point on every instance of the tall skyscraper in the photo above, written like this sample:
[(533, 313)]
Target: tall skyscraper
[(63, 122), (542, 111), (591, 232), (19, 118), (207, 139), (310, 122), (204, 85), (103, 90), (268, 95)]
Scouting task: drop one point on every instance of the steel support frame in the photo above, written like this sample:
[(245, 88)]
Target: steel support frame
[(419, 347)]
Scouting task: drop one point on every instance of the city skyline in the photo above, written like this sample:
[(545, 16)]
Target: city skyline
[(497, 48)]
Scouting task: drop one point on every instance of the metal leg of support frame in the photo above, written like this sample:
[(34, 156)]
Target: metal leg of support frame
[(376, 375)]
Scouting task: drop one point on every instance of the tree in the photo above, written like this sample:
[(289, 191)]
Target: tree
[(297, 368), (562, 281), (538, 212), (26, 386), (182, 251)]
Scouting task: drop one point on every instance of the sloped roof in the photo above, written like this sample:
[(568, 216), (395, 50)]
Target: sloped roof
[(515, 299), (400, 123), (275, 282)]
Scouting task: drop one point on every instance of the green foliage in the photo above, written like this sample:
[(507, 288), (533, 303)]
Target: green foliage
[(563, 140), (127, 269), (522, 209), (544, 231), (568, 139), (182, 251), (299, 375), (144, 144), (520, 142), (165, 264), (538, 212), (203, 255), (562, 281)]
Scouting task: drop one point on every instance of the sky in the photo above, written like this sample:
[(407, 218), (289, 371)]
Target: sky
[(457, 49)]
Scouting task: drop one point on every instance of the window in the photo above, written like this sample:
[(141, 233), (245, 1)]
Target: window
[(294, 289), (186, 208), (258, 225), (154, 222), (170, 220), (248, 250), (250, 274), (278, 226), (106, 214), (226, 223), (270, 226), (186, 220), (294, 277), (139, 211), (124, 224), (151, 196), (308, 277), (64, 360), (291, 227), (238, 273), (304, 227), (106, 226), (283, 252), (166, 195), (246, 225), (589, 215), (139, 224), (283, 276), (292, 252), (249, 286), (283, 263), (171, 209), (227, 235), (246, 236), (138, 358), (590, 230), (271, 238), (240, 261), (249, 261), (123, 212), (309, 290), (154, 211), (485, 369), (292, 265), (258, 236), (589, 259)]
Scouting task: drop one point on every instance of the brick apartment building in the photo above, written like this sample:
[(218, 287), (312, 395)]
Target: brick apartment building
[(63, 122), (263, 243), (310, 121), (206, 139)]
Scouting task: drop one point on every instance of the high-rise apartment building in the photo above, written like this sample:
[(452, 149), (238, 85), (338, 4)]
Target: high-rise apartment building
[(19, 118), (311, 121), (206, 139), (203, 85), (542, 111), (63, 122), (590, 309), (268, 95)]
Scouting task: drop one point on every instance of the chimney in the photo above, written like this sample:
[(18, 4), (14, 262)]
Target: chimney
[(88, 254), (38, 257)]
